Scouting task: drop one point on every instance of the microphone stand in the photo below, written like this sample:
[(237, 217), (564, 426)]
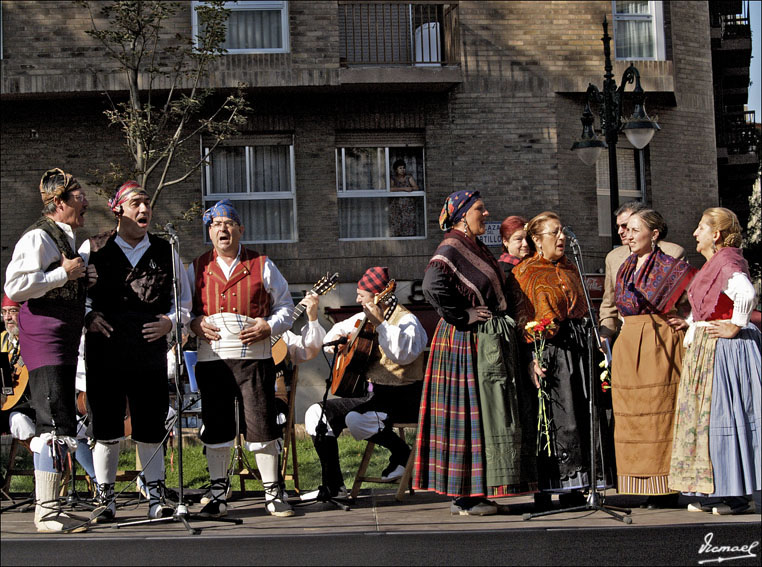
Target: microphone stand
[(181, 511), (324, 494), (595, 500)]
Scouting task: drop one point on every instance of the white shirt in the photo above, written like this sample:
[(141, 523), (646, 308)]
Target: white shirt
[(133, 255), (25, 277), (741, 292), (402, 343), (305, 346)]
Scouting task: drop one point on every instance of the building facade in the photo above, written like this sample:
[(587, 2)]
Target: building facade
[(468, 94)]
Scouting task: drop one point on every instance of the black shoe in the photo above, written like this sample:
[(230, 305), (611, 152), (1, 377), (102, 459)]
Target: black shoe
[(542, 501), (661, 501), (571, 499)]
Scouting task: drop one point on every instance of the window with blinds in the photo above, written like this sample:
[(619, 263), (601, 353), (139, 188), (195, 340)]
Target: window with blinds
[(631, 174), (259, 179), (639, 30), (381, 190), (254, 27)]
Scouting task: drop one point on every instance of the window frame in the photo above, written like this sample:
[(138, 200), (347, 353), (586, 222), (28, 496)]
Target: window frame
[(250, 195), (656, 17), (251, 6), (343, 193)]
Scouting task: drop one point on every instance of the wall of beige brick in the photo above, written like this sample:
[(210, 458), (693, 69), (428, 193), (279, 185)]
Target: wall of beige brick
[(506, 129)]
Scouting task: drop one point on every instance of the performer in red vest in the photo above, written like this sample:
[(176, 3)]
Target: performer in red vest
[(240, 299)]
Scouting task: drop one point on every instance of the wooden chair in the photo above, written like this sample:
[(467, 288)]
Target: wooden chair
[(12, 470), (405, 481)]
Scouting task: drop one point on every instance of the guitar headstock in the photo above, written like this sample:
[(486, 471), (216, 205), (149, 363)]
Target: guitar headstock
[(326, 283), (387, 300)]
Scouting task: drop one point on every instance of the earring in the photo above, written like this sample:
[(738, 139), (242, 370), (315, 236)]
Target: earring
[(653, 245), (539, 251), (714, 247), (465, 229)]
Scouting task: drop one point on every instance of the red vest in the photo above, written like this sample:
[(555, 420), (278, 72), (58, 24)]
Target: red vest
[(244, 293)]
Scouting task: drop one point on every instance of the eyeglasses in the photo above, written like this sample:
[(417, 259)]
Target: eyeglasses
[(226, 224), (81, 197), (555, 233)]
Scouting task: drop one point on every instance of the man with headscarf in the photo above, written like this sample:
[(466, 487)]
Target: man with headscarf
[(240, 299), (131, 310), (50, 279), (394, 374)]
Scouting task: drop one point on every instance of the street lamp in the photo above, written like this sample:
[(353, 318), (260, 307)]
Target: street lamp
[(639, 128)]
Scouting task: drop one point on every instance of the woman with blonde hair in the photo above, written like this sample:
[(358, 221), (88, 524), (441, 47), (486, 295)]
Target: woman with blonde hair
[(716, 448)]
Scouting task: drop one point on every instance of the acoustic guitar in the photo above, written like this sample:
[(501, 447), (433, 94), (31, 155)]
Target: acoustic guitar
[(348, 380), (15, 377), (323, 286)]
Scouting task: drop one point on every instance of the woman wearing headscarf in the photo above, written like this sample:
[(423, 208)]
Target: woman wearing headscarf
[(550, 289), (469, 437), (647, 360), (716, 447)]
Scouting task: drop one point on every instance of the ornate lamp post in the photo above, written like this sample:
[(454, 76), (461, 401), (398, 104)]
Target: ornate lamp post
[(639, 128)]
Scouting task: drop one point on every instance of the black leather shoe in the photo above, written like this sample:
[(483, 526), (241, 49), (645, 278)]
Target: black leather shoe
[(542, 502)]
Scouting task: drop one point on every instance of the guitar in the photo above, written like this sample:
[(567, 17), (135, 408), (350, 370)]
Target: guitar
[(347, 379), (15, 378), (277, 344)]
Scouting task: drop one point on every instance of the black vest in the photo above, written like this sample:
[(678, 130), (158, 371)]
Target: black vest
[(122, 288), (73, 290)]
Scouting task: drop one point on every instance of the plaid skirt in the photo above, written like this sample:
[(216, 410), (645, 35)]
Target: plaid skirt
[(450, 451)]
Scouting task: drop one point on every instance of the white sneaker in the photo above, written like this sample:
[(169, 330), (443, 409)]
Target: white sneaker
[(395, 474)]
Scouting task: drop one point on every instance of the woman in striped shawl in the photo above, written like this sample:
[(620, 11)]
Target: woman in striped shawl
[(469, 438)]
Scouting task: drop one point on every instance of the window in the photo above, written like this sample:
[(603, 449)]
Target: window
[(258, 177), (630, 166), (638, 30), (254, 27), (376, 199)]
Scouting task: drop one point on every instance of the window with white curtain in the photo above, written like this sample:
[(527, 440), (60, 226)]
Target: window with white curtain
[(630, 165), (259, 180), (639, 30), (377, 200), (254, 27)]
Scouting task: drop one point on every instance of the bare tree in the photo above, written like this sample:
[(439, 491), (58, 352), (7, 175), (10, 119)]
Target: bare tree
[(168, 105)]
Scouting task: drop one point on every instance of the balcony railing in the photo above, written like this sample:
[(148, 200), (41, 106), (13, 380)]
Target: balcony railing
[(739, 133), (395, 33), (733, 26)]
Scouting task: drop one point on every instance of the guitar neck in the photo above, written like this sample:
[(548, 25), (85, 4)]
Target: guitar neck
[(298, 310)]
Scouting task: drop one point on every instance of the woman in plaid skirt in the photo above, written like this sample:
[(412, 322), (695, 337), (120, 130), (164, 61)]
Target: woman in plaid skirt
[(469, 437)]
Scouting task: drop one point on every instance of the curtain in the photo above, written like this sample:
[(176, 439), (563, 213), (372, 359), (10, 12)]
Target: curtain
[(634, 37), (254, 29)]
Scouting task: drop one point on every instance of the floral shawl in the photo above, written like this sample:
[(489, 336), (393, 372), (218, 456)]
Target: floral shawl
[(655, 288)]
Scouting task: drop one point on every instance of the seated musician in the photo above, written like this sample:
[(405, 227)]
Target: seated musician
[(394, 373), (17, 416)]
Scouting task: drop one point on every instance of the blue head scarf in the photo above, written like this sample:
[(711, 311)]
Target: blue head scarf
[(456, 206), (222, 208)]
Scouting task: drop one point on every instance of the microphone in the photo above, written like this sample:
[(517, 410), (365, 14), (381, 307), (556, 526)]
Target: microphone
[(339, 341), (569, 234)]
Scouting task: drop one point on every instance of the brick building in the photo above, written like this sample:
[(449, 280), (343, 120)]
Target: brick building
[(474, 94)]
